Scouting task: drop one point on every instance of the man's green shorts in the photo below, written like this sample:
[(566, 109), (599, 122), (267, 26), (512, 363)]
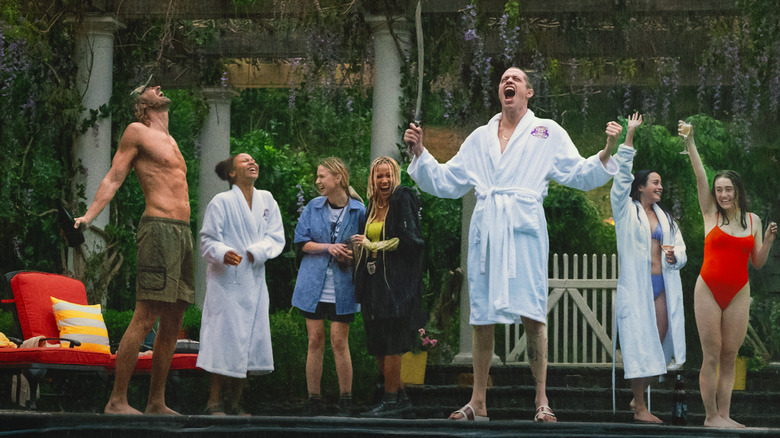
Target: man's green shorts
[(166, 270)]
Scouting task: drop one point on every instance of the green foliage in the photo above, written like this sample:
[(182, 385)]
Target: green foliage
[(191, 322), (8, 325), (116, 323), (440, 223), (575, 225), (38, 119)]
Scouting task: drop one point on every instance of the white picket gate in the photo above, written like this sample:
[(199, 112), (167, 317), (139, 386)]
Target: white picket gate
[(580, 312)]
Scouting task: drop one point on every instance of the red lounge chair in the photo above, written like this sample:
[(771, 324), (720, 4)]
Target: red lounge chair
[(31, 292)]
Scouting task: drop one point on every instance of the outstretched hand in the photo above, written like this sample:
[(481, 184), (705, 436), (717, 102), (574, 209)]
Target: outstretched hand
[(613, 132), (771, 232), (634, 120)]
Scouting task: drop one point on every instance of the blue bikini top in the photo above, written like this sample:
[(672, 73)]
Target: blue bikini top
[(658, 234)]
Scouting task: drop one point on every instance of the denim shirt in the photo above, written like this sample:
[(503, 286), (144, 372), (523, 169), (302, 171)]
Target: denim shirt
[(314, 226)]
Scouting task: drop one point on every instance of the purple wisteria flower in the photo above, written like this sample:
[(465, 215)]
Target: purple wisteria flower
[(480, 66), (701, 90), (301, 201), (447, 104), (510, 36)]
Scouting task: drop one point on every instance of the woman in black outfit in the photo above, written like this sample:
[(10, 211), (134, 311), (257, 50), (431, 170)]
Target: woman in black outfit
[(388, 280)]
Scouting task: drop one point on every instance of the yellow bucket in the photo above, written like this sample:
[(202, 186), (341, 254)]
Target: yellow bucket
[(740, 373), (413, 367)]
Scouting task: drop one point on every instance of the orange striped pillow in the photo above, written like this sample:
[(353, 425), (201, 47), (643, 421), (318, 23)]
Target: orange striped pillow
[(81, 323)]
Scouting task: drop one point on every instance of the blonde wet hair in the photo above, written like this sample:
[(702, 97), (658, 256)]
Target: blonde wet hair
[(395, 180), (335, 166)]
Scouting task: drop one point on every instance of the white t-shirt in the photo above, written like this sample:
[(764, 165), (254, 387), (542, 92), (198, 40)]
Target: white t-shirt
[(328, 294)]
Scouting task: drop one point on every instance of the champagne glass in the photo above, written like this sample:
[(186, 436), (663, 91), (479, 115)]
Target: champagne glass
[(685, 131), (234, 279), (668, 248)]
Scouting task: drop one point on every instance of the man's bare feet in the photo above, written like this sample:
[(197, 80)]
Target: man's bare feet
[(159, 410), (645, 416), (632, 405), (721, 423), (113, 408)]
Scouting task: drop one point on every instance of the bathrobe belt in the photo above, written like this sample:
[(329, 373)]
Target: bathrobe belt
[(500, 219)]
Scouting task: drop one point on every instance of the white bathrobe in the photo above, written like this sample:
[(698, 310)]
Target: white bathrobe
[(235, 336), (508, 243), (640, 345)]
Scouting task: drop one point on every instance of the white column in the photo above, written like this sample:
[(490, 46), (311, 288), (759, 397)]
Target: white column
[(387, 116), (214, 147), (94, 80), (466, 332)]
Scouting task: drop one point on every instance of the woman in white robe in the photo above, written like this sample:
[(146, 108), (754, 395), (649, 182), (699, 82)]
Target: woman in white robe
[(649, 304), (242, 228)]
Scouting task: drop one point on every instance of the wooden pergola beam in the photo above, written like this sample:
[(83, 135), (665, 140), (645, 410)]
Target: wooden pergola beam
[(269, 9)]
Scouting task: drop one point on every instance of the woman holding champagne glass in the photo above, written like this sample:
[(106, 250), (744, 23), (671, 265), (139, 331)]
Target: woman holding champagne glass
[(649, 303), (722, 293)]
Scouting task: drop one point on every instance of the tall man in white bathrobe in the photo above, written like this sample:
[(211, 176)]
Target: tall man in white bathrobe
[(510, 162)]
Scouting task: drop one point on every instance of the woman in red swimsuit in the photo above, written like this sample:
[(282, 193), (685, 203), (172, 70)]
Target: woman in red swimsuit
[(722, 294)]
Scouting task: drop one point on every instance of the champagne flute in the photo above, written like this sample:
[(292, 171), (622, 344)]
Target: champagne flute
[(685, 131), (667, 248), (234, 279)]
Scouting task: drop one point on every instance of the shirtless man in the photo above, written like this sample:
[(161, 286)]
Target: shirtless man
[(164, 281)]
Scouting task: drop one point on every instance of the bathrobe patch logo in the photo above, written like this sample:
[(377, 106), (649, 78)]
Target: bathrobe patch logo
[(541, 132)]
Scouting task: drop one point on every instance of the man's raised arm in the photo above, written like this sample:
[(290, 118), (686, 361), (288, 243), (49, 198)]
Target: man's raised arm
[(121, 165)]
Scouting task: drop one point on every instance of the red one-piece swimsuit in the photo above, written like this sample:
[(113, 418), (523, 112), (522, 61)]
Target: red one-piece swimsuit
[(725, 263)]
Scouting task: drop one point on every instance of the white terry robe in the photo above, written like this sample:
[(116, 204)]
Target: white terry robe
[(640, 345), (235, 335), (508, 243)]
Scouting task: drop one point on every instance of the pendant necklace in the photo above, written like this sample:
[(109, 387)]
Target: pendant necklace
[(500, 134)]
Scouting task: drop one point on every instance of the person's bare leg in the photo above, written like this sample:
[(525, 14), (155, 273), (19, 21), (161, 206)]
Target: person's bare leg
[(339, 340), (233, 395), (482, 355), (708, 323), (316, 331), (640, 406), (536, 334), (171, 315), (734, 324), (661, 316), (392, 372), (140, 325), (214, 403)]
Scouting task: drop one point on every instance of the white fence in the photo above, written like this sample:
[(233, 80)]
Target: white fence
[(580, 312)]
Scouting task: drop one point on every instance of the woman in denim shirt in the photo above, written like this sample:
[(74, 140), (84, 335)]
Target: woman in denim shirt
[(324, 287)]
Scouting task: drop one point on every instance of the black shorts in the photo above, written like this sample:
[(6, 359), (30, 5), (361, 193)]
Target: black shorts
[(388, 336), (328, 310)]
